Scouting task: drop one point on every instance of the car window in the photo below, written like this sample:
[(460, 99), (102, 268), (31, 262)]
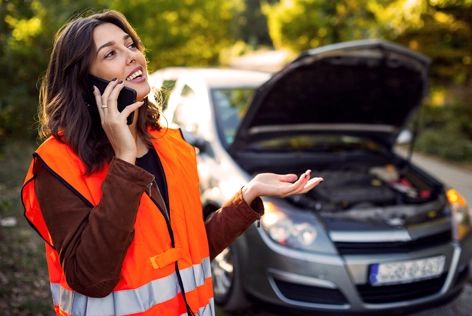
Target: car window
[(230, 106), (187, 91), (186, 114)]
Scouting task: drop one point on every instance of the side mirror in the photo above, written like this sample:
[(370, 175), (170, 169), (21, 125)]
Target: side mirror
[(404, 137)]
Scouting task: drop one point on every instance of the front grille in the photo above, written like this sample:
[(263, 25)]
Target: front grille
[(351, 248), (310, 294), (400, 292)]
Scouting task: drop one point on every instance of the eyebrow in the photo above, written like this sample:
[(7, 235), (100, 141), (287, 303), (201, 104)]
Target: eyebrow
[(125, 37)]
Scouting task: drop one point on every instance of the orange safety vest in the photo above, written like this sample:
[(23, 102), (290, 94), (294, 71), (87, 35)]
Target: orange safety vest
[(148, 282)]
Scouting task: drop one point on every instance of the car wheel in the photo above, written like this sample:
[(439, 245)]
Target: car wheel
[(227, 287)]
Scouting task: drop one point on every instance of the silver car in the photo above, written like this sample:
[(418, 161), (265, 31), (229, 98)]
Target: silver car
[(379, 234)]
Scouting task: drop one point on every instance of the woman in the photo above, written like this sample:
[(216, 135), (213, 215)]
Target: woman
[(118, 205)]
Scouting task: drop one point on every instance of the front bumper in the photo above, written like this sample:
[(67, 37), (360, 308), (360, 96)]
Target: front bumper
[(331, 282)]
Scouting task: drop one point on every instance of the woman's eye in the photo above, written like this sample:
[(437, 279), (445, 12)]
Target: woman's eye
[(110, 54), (132, 45)]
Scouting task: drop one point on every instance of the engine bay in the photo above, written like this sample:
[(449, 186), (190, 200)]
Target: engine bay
[(360, 186)]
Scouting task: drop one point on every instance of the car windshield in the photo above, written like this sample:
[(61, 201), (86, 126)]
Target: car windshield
[(230, 106)]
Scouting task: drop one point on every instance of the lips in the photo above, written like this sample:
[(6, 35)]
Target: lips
[(135, 74)]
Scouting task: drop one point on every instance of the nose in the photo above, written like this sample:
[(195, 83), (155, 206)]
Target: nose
[(131, 58)]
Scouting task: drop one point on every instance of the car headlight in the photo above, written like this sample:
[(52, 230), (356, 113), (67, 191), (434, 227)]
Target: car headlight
[(287, 229), (460, 214)]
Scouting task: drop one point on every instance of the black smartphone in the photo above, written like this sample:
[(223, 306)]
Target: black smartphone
[(126, 97)]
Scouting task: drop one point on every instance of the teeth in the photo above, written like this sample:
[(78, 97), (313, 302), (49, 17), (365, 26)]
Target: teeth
[(134, 75)]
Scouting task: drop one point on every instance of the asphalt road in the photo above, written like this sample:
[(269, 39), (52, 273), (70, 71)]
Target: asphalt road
[(462, 306), (461, 180)]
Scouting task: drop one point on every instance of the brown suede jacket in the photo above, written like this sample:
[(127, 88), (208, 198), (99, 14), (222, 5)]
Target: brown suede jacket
[(92, 242)]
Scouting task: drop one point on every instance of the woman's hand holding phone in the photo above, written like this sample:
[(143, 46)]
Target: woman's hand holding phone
[(114, 122)]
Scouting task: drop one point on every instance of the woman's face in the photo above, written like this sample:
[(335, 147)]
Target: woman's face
[(118, 57)]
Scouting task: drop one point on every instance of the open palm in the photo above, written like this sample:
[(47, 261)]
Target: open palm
[(280, 185)]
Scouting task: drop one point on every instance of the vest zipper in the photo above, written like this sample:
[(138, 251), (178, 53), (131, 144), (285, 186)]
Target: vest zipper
[(165, 213), (164, 210), (150, 186)]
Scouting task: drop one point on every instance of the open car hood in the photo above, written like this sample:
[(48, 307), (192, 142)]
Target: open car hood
[(366, 88)]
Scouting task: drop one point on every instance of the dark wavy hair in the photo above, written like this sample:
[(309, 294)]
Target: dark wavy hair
[(63, 112)]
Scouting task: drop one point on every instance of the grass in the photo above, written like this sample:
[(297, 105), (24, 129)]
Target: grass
[(24, 285)]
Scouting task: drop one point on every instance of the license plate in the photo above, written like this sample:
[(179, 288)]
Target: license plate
[(406, 271)]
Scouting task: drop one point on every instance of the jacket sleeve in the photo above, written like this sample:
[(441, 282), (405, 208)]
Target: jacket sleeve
[(92, 242), (230, 221)]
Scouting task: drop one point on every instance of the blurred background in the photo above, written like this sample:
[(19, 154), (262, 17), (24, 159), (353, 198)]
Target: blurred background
[(217, 33)]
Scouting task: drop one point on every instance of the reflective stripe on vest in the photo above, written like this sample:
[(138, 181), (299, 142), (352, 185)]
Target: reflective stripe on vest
[(137, 300), (208, 310)]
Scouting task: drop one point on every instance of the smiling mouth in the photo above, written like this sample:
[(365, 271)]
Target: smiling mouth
[(134, 75)]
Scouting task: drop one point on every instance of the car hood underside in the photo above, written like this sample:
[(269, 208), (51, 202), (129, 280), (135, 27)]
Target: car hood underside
[(363, 87)]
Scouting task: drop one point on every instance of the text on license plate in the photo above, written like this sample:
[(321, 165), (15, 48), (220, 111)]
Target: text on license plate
[(406, 271)]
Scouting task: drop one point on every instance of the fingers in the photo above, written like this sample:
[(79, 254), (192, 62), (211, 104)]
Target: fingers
[(98, 100), (130, 108), (297, 186), (111, 96), (108, 89), (102, 99), (287, 177), (303, 184), (311, 184), (107, 102), (271, 184), (108, 99)]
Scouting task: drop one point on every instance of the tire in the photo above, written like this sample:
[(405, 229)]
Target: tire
[(227, 283)]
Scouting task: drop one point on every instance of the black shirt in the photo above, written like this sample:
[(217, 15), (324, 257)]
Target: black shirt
[(152, 164)]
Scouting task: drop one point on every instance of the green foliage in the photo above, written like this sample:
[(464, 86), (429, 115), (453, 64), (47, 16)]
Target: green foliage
[(251, 24), (441, 29), (182, 33), (304, 24), (26, 33), (446, 132), (444, 33)]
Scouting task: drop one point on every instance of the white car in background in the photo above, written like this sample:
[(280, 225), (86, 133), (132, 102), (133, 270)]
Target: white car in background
[(163, 81), (379, 235)]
